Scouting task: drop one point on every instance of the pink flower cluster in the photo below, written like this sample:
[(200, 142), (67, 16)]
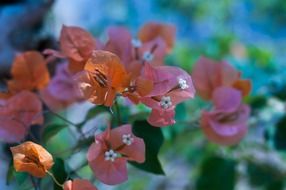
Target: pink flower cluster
[(226, 123)]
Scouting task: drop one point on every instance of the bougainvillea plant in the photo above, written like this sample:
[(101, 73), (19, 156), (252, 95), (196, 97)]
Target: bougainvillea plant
[(125, 67)]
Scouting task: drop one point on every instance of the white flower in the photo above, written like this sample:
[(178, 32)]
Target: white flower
[(148, 56), (183, 83), (136, 43), (110, 155), (166, 102), (127, 139)]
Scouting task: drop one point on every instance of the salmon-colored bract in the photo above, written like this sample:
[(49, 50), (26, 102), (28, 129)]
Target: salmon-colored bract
[(32, 158)]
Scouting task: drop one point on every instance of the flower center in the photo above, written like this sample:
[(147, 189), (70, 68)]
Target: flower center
[(136, 43), (183, 83), (166, 102), (127, 139), (110, 155), (148, 56)]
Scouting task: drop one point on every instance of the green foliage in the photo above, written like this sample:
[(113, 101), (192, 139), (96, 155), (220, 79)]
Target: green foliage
[(280, 134), (217, 173), (59, 172), (153, 139), (257, 102), (263, 176), (51, 130)]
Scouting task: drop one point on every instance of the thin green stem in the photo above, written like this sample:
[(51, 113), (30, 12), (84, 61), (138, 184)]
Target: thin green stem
[(55, 180), (68, 122), (119, 122)]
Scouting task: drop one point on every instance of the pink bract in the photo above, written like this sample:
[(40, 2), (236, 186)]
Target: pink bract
[(17, 114), (112, 149), (226, 124)]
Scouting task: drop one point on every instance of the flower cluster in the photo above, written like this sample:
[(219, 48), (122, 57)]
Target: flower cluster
[(219, 82), (128, 66)]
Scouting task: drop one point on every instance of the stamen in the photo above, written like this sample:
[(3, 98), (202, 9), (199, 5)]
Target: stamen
[(136, 43), (148, 56), (100, 78)]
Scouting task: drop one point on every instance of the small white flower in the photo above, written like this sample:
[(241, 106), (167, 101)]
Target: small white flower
[(148, 56), (166, 102), (183, 83), (136, 43), (127, 139), (110, 155)]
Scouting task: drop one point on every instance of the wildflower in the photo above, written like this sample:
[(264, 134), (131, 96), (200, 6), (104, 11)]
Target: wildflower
[(153, 30), (103, 78), (76, 45), (112, 149), (32, 158), (62, 89), (29, 72), (172, 86), (17, 114), (226, 124), (209, 74)]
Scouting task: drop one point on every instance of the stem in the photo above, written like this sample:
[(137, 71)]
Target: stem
[(55, 180), (36, 187), (118, 113), (68, 122)]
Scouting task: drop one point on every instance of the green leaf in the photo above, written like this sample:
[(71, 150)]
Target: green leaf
[(59, 172), (153, 139), (217, 173), (20, 177), (92, 113), (257, 102), (52, 130), (280, 134), (10, 173), (95, 111), (261, 175)]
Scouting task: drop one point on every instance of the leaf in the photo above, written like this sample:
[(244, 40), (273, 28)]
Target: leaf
[(216, 173), (21, 177), (93, 112), (280, 134), (9, 174), (257, 102), (153, 139), (52, 130), (264, 176), (59, 172)]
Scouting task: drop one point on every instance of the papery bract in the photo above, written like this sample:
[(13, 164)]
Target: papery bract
[(29, 72), (62, 89), (17, 114), (78, 184), (153, 30), (104, 76), (119, 43), (172, 86), (209, 74), (32, 158), (108, 156), (226, 124), (76, 45)]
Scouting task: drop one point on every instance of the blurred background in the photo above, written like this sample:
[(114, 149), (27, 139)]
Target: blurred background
[(249, 34)]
